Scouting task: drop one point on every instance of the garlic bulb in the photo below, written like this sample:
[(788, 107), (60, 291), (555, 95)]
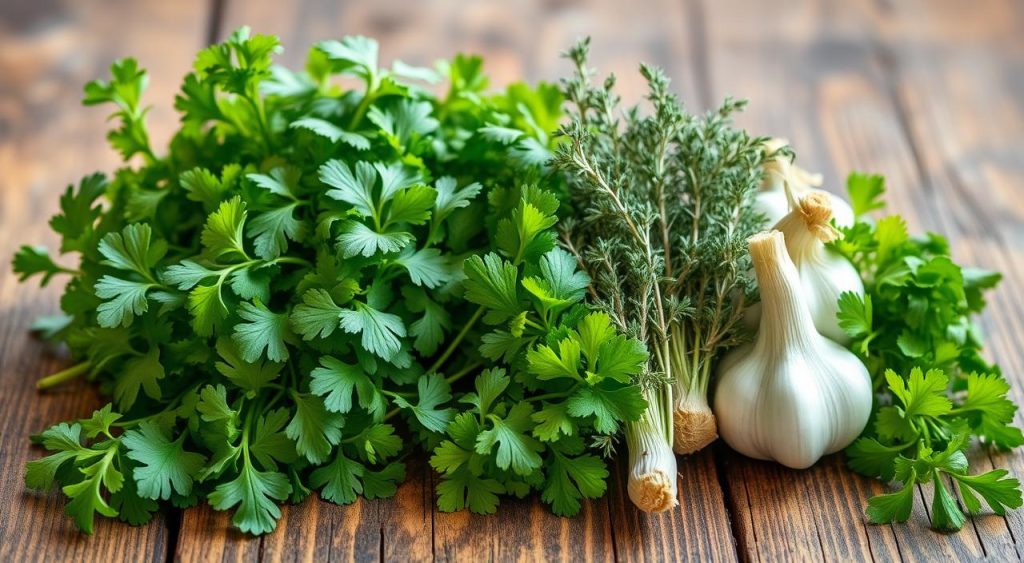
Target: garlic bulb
[(784, 182), (824, 274), (792, 395), (651, 484)]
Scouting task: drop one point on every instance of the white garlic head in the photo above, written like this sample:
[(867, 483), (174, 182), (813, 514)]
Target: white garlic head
[(792, 395)]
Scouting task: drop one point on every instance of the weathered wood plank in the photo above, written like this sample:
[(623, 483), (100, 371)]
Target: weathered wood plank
[(396, 529), (519, 40), (48, 50), (697, 530)]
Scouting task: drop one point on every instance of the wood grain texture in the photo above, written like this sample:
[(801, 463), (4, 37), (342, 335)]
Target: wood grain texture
[(48, 50)]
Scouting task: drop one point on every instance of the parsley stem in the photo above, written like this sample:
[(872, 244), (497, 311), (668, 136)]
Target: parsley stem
[(533, 324), (261, 119), (458, 339), (170, 406), (462, 372), (556, 395), (292, 260), (364, 104), (63, 376)]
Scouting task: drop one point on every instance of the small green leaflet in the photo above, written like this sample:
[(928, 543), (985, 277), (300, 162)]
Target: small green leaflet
[(608, 355), (255, 493), (865, 192), (331, 131), (337, 382), (164, 464), (141, 373), (608, 405), (65, 441), (317, 316), (433, 391), (250, 376), (340, 479), (462, 489), (380, 331), (222, 235), (515, 448), (35, 260), (357, 239), (314, 429), (568, 479), (79, 211), (491, 282), (262, 332), (270, 445)]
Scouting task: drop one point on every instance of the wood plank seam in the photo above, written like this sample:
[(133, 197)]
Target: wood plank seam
[(611, 520), (730, 510)]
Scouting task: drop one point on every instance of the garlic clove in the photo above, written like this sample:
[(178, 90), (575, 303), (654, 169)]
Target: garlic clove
[(792, 395), (824, 274)]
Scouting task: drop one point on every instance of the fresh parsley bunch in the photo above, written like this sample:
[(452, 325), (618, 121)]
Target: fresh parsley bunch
[(914, 331), (565, 382), (275, 303)]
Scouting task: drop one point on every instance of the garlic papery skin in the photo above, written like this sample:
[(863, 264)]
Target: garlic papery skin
[(792, 395), (651, 484), (824, 274), (780, 176)]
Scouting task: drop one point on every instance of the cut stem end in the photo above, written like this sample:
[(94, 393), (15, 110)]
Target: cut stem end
[(694, 430), (653, 492)]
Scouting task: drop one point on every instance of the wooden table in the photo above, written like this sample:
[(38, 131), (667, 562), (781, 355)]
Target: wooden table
[(929, 93)]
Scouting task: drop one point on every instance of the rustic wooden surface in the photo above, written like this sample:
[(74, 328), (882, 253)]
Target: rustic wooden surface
[(928, 92)]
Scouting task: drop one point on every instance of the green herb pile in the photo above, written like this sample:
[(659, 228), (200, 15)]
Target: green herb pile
[(316, 281), (914, 331), (280, 304)]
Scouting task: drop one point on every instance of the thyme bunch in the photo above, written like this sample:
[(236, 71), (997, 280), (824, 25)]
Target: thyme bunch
[(662, 205)]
